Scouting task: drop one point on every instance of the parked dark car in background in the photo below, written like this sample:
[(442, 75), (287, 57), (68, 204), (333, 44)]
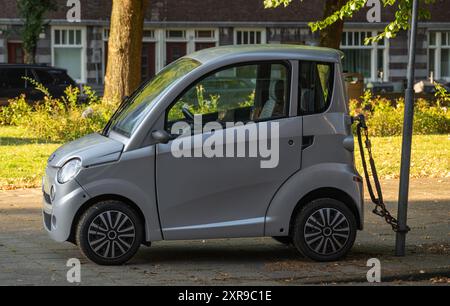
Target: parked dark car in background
[(13, 83)]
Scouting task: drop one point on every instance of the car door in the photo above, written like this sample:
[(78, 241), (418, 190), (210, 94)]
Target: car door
[(225, 187)]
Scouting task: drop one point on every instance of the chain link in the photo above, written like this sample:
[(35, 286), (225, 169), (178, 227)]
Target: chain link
[(380, 208)]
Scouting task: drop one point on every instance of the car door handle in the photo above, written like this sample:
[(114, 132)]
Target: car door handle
[(307, 141)]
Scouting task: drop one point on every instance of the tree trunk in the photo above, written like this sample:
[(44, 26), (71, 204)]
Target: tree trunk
[(29, 56), (331, 36), (123, 72)]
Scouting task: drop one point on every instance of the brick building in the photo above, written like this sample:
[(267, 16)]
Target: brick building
[(176, 27)]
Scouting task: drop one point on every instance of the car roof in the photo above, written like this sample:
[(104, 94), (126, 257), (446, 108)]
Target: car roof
[(282, 51), (30, 66)]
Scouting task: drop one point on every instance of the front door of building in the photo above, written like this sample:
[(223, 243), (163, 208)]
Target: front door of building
[(15, 53), (175, 50)]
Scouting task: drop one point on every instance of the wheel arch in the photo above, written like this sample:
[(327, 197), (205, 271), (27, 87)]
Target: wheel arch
[(326, 192), (106, 197), (325, 180)]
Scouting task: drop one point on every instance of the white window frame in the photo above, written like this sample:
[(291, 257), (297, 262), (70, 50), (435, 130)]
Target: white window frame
[(263, 32), (150, 38), (213, 38), (189, 38), (193, 39), (374, 47), (437, 74), (176, 39), (83, 47)]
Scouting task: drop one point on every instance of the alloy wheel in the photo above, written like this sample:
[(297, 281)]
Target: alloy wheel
[(326, 231), (111, 234)]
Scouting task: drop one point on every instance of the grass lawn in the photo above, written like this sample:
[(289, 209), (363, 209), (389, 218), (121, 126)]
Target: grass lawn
[(430, 156), (23, 157)]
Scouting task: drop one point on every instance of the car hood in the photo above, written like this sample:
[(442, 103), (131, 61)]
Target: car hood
[(92, 149)]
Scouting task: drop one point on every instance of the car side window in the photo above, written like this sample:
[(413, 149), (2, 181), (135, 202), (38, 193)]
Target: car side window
[(44, 77), (14, 78), (315, 87), (242, 93)]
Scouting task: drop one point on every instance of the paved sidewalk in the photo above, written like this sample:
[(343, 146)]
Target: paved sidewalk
[(28, 256)]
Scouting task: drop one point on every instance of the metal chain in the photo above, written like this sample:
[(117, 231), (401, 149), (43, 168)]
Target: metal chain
[(380, 208)]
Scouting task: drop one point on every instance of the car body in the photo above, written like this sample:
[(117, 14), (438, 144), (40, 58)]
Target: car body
[(13, 81), (132, 164)]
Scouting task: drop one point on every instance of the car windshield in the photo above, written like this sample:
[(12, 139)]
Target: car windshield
[(130, 115)]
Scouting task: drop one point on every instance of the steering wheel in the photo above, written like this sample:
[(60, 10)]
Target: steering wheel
[(187, 113)]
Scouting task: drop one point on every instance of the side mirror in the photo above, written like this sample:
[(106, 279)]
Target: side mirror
[(162, 136)]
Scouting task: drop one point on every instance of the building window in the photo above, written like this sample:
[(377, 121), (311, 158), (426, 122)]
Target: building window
[(176, 34), (204, 39), (68, 51), (249, 37), (205, 34), (369, 60), (439, 55), (148, 35), (105, 34)]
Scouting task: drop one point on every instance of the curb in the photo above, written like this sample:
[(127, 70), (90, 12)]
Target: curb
[(413, 277)]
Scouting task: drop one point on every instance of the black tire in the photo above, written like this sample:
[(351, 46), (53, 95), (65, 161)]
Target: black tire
[(109, 233), (286, 240), (324, 230)]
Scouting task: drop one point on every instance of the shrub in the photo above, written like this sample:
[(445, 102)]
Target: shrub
[(442, 95), (58, 119), (17, 112), (385, 117), (64, 119)]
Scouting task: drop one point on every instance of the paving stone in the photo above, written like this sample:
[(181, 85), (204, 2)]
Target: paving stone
[(29, 256)]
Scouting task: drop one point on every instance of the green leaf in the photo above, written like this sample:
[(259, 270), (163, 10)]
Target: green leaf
[(349, 8)]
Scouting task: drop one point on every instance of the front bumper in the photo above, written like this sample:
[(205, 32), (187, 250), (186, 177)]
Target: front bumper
[(59, 212)]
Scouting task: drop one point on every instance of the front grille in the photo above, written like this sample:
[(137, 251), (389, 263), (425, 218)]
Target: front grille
[(47, 221), (47, 198)]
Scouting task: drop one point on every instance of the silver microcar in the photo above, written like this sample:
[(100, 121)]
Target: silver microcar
[(239, 141)]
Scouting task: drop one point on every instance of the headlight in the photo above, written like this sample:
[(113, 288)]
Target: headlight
[(69, 170)]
